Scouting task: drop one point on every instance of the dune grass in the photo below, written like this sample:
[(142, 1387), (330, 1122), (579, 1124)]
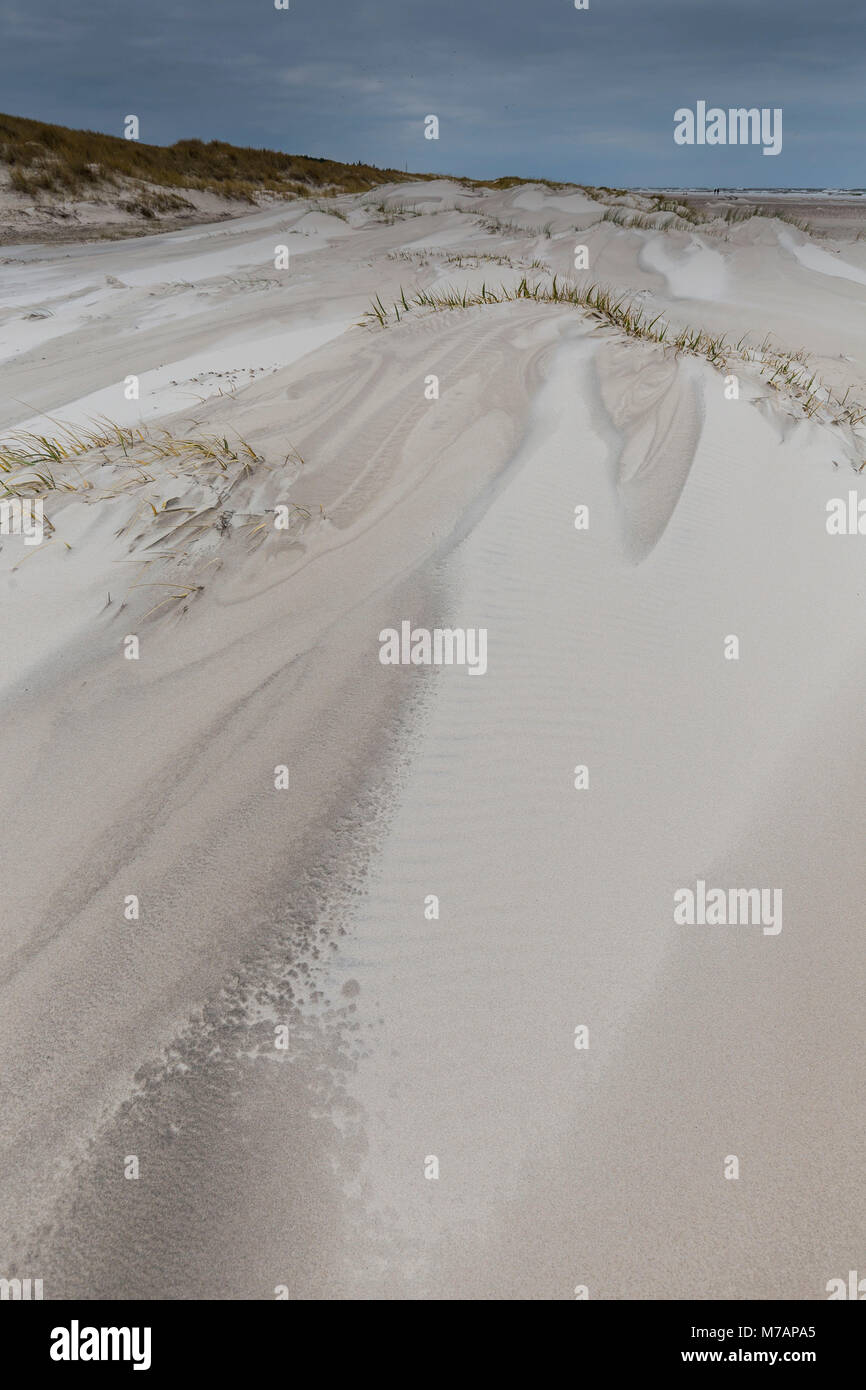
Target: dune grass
[(389, 213), (498, 226), (782, 369), (466, 260), (107, 461), (30, 463), (329, 212), (643, 221), (683, 210), (734, 215), (668, 214)]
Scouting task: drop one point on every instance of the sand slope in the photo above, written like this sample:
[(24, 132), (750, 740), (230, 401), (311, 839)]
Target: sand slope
[(411, 1037)]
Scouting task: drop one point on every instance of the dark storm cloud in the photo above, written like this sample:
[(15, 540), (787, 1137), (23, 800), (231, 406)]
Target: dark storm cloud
[(519, 86)]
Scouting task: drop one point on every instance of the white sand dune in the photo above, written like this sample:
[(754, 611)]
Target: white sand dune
[(814, 258), (408, 1037), (692, 271)]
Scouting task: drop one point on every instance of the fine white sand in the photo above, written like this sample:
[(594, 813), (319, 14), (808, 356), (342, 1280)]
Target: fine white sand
[(412, 1037)]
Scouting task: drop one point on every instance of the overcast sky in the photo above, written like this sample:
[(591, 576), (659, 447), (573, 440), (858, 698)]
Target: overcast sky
[(529, 87)]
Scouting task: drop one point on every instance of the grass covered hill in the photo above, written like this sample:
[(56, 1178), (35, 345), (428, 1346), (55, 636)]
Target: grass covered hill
[(42, 158)]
